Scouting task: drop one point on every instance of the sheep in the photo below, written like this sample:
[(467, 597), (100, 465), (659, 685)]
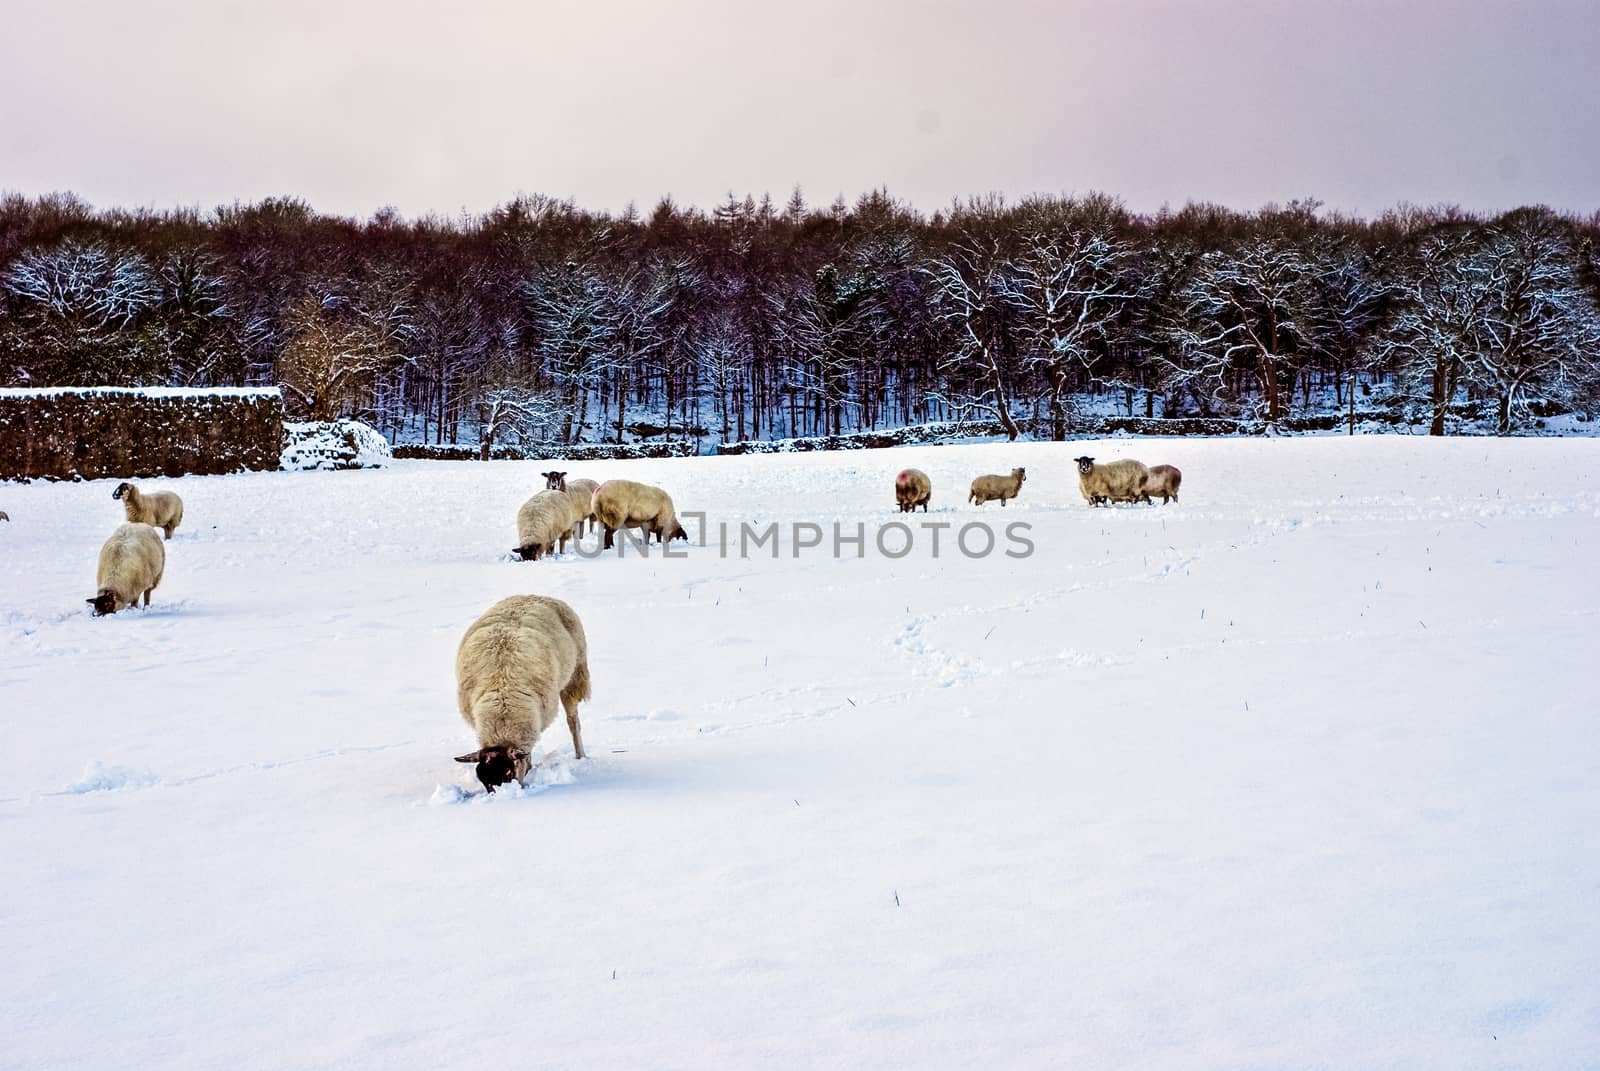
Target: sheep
[(1163, 481), (516, 662), (1114, 481), (625, 504), (985, 488), (163, 509), (131, 563), (544, 524), (580, 491), (912, 488)]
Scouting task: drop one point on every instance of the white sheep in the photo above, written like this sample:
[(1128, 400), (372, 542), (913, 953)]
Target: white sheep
[(985, 488), (163, 509), (517, 662), (1113, 481), (1163, 481), (912, 488), (131, 564), (580, 491), (626, 504), (544, 524)]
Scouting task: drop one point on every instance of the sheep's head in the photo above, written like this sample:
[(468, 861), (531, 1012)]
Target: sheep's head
[(497, 765), (122, 489), (1020, 474), (1085, 465), (678, 532), (554, 481), (103, 603)]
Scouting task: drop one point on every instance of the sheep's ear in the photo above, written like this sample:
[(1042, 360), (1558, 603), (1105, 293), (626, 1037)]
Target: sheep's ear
[(473, 757)]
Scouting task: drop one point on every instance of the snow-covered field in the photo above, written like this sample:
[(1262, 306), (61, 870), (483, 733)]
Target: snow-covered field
[(1300, 772)]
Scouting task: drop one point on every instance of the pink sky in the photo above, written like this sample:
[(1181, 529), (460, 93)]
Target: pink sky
[(435, 107)]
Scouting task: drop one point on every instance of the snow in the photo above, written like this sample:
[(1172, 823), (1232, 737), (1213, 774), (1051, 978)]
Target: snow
[(333, 444), (148, 392), (1300, 771)]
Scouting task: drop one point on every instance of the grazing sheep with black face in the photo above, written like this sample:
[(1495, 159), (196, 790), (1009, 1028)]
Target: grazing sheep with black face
[(1163, 481), (912, 488), (626, 504), (131, 564), (985, 488), (544, 524), (580, 491), (163, 509), (1114, 481), (522, 659)]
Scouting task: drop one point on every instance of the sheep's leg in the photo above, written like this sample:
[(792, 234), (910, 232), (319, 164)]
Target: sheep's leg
[(572, 724), (611, 537)]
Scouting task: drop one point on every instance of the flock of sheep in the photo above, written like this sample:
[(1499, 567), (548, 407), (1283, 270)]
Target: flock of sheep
[(527, 655), (1124, 480), (134, 558)]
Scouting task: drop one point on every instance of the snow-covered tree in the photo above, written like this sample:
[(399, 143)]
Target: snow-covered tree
[(1069, 288), (83, 313), (970, 295), (1540, 333), (333, 351), (572, 316), (1243, 309)]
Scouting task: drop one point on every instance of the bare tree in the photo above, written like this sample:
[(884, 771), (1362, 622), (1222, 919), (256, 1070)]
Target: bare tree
[(1244, 306), (969, 291), (1069, 289), (82, 312), (1540, 330), (330, 355), (1445, 297), (520, 410)]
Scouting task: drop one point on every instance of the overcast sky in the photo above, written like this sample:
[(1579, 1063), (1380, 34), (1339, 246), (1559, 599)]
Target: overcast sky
[(445, 106)]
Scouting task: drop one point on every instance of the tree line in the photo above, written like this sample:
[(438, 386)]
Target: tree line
[(544, 321)]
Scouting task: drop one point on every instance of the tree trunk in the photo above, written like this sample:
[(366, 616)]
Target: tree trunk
[(1269, 370), (1352, 393), (1441, 395)]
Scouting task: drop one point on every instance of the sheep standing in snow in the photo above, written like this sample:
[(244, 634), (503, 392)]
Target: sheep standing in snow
[(1163, 481), (580, 491), (524, 656), (544, 524), (131, 564), (163, 509), (1114, 481), (912, 488), (985, 488), (626, 504)]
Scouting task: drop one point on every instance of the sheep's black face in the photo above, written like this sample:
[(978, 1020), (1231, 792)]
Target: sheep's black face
[(497, 765), (121, 490), (1085, 465), (104, 603), (678, 532), (554, 481)]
